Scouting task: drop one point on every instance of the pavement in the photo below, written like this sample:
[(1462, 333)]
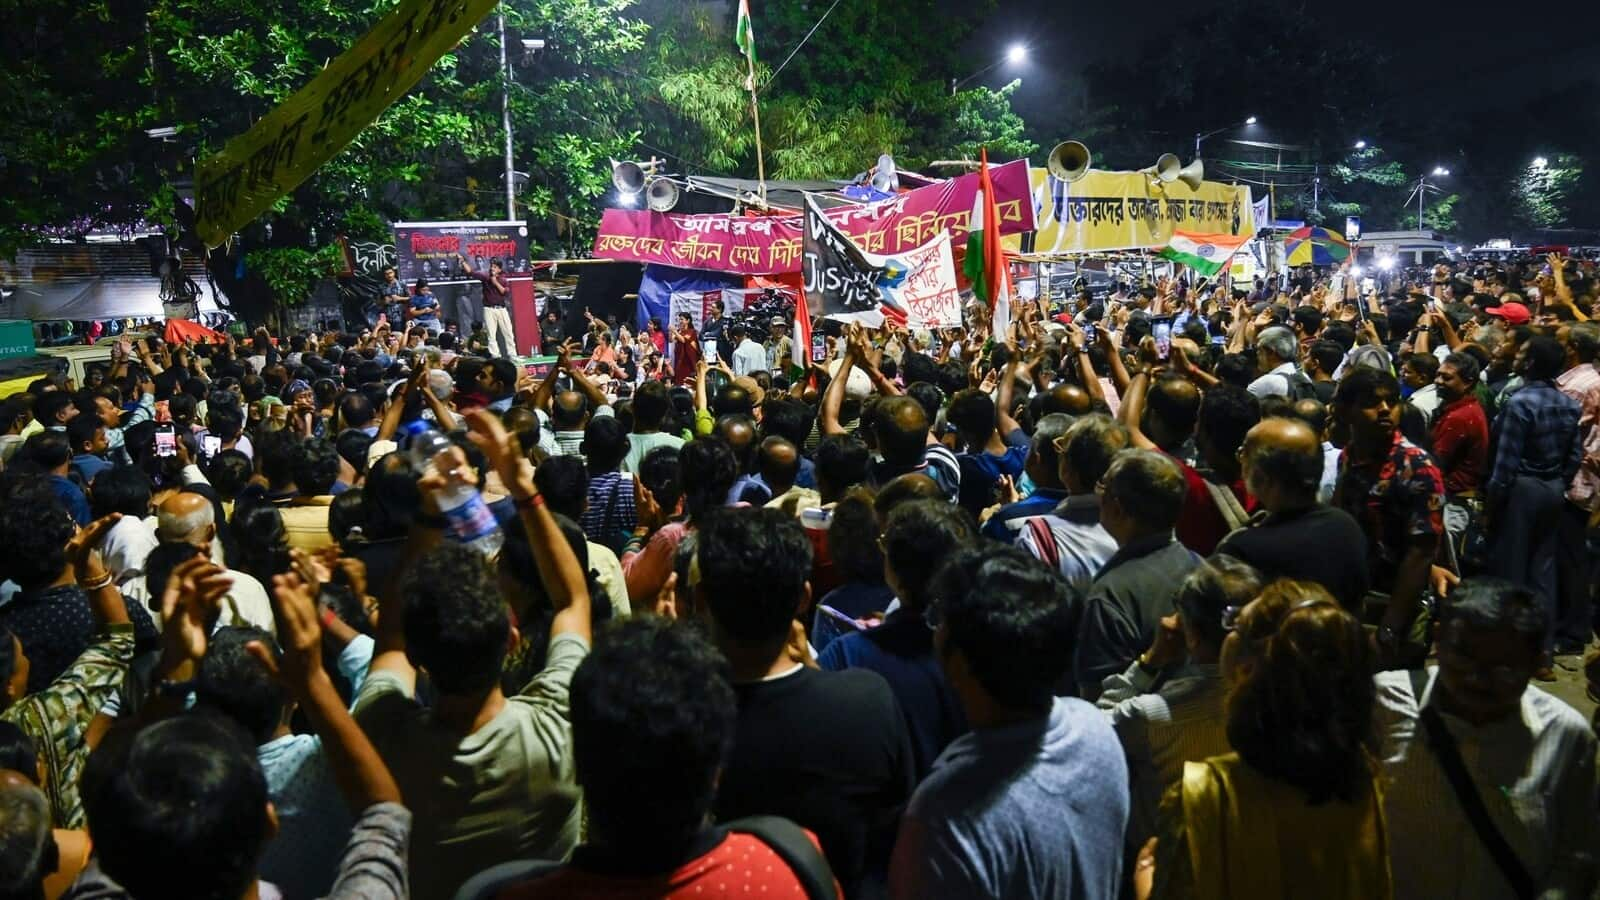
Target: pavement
[(1570, 685)]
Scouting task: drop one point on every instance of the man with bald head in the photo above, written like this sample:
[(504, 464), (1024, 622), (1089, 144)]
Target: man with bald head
[(778, 464), (1297, 536), (1067, 398), (185, 525)]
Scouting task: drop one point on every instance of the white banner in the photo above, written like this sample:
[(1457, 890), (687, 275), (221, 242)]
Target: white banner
[(923, 283)]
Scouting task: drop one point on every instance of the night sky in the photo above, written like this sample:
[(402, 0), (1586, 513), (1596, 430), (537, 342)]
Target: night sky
[(1449, 60)]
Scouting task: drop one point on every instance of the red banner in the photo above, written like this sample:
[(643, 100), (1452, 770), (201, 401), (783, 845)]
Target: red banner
[(760, 245)]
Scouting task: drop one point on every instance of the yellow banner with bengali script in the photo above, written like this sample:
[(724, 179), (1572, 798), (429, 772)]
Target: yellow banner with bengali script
[(1131, 211), (247, 176)]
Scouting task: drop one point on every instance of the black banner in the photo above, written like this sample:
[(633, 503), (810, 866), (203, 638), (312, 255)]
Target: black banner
[(840, 279), (428, 249)]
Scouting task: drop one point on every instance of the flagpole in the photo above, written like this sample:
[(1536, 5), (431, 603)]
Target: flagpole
[(755, 114)]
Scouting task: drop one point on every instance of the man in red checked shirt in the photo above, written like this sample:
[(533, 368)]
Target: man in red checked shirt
[(496, 307), (1395, 491), (652, 722)]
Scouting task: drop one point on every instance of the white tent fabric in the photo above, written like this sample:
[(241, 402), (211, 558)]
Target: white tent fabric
[(88, 299)]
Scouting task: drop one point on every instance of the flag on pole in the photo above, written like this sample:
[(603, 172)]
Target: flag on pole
[(1207, 254), (744, 36), (802, 329), (1263, 212), (986, 265)]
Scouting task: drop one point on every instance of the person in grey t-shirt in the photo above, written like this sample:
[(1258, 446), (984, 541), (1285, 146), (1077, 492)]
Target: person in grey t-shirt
[(1033, 802)]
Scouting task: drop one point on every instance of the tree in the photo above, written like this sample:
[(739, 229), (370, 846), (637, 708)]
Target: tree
[(1544, 189)]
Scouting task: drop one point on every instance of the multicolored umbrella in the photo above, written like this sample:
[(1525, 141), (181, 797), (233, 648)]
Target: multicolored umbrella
[(1313, 246)]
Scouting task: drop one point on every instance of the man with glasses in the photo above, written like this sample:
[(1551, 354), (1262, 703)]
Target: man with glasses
[(1184, 719), (1141, 495), (1491, 780), (1282, 464)]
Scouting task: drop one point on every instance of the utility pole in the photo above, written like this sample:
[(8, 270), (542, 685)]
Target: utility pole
[(505, 120)]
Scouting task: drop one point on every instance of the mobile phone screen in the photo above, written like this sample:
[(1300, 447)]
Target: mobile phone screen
[(819, 347), (211, 445), (1161, 330), (166, 440), (1088, 332), (711, 350)]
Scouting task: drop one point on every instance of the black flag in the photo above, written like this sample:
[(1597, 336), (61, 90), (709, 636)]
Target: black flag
[(840, 280)]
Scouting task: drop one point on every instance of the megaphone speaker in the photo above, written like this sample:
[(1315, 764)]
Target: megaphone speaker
[(628, 177), (662, 195), (1193, 174), (1166, 168), (1069, 161)]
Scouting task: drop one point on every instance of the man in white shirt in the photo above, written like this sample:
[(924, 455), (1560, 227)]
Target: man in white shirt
[(1277, 355), (191, 519), (1530, 759), (1417, 373), (1070, 539), (748, 356)]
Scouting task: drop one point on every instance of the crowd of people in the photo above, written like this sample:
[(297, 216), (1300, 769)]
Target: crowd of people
[(1062, 611)]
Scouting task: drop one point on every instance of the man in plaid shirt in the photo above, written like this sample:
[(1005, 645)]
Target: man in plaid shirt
[(1537, 448)]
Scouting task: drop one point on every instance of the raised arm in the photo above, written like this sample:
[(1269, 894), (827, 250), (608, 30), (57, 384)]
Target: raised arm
[(595, 396), (833, 397), (359, 772), (558, 567), (1003, 400)]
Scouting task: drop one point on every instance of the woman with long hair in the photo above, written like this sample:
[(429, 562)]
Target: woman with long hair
[(1296, 809), (685, 349)]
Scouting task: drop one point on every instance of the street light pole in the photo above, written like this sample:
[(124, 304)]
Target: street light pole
[(505, 121)]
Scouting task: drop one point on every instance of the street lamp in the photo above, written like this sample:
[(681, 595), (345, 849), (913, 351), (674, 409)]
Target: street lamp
[(1422, 189), (1198, 136), (1361, 145), (1540, 163), (1016, 54)]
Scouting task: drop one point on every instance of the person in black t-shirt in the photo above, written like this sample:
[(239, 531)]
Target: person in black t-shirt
[(1297, 537), (828, 750)]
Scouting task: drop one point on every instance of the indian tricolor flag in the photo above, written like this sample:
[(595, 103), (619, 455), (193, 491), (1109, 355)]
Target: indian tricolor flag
[(744, 36), (985, 265), (1207, 254)]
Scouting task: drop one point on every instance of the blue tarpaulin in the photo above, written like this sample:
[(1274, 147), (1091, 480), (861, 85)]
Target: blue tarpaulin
[(661, 282)]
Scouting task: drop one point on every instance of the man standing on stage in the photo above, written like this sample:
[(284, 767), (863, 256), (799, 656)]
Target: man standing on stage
[(496, 307)]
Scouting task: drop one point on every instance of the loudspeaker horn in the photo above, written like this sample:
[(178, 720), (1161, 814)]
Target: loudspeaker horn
[(1166, 168), (1069, 161), (629, 176), (662, 195), (1193, 174)]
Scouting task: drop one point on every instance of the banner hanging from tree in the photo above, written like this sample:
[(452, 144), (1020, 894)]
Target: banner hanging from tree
[(749, 245), (247, 176)]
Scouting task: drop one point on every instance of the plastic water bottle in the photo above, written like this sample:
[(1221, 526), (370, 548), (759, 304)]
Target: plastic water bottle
[(468, 519)]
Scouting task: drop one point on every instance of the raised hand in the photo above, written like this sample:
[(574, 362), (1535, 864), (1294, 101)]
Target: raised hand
[(192, 593), (503, 452), (299, 634)]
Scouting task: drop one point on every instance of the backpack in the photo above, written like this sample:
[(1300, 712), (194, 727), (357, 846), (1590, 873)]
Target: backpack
[(1300, 387), (785, 838)]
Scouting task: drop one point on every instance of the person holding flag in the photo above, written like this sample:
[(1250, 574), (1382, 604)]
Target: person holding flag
[(986, 265)]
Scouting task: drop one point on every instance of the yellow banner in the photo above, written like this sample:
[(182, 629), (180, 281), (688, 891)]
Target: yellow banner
[(236, 184), (1131, 211)]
